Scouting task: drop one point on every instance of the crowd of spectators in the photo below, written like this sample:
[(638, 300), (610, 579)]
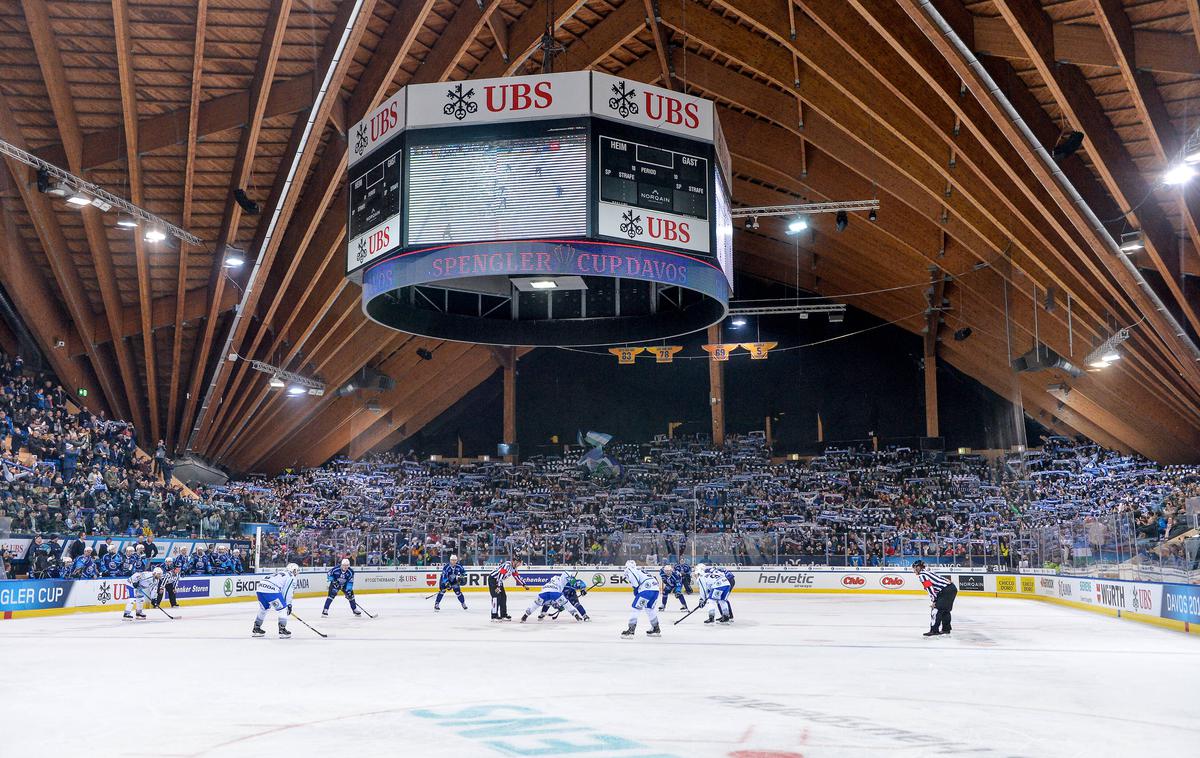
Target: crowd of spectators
[(1067, 501), (68, 471)]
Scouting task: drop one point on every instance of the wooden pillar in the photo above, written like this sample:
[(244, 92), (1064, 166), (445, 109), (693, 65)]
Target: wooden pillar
[(770, 441), (933, 325), (716, 390), (510, 399), (931, 406)]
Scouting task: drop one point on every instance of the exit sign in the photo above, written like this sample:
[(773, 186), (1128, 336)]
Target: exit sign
[(82, 392)]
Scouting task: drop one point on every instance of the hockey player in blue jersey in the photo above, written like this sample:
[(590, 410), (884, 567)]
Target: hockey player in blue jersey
[(130, 564), (275, 594), (84, 566), (141, 587), (200, 564), (453, 577), (684, 570), (645, 593), (341, 578), (714, 586), (672, 584), (110, 563)]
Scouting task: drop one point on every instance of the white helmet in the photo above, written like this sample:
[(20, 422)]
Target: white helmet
[(157, 572), (199, 548), (139, 547), (630, 563), (668, 568), (454, 559), (345, 562), (293, 569), (129, 549), (700, 568)]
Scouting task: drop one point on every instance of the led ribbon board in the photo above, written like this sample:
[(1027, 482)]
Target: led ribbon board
[(574, 208)]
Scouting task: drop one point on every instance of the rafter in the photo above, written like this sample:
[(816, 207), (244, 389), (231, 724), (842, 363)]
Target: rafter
[(129, 109), (62, 103), (243, 164), (189, 185)]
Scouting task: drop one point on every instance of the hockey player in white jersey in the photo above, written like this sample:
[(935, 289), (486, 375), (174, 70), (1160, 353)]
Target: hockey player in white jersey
[(141, 586), (645, 594), (714, 586), (275, 594), (551, 594)]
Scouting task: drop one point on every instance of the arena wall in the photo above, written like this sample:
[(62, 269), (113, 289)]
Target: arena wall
[(1174, 606)]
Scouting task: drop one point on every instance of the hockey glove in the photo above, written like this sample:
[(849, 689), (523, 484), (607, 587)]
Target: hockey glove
[(703, 600), (289, 609)]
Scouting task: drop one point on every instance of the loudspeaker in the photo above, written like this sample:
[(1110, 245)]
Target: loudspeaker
[(248, 205)]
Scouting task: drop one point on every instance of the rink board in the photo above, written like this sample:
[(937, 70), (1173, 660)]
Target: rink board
[(1175, 606)]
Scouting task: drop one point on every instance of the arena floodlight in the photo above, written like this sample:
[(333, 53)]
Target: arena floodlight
[(127, 222), (296, 390), (543, 284), (277, 382), (79, 199), (797, 225), (1131, 241), (738, 321), (155, 235), (1178, 174)]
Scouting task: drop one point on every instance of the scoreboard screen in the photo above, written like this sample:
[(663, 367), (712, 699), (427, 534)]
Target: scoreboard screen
[(375, 195), (653, 178), (498, 188)]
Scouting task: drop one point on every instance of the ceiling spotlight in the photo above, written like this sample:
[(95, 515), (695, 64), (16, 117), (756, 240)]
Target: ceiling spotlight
[(872, 216), (797, 225), (80, 199), (248, 205), (296, 390), (1179, 174), (1111, 355), (155, 235), (543, 284), (1107, 353), (234, 257), (1098, 364), (127, 222), (48, 185), (738, 321), (752, 222), (1131, 241), (842, 221), (276, 382), (1068, 143), (424, 354), (103, 205)]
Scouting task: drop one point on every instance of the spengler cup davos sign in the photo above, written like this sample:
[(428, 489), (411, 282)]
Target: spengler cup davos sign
[(574, 208)]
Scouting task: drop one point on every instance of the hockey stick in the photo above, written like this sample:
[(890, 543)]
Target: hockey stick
[(156, 605), (689, 613), (364, 610), (302, 621), (586, 590)]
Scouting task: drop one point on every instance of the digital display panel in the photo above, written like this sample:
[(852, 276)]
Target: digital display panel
[(653, 178), (723, 223), (375, 195), (498, 188)]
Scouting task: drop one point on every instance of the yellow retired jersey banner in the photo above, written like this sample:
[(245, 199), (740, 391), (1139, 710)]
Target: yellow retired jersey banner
[(758, 350), (625, 355), (664, 353), (719, 352)]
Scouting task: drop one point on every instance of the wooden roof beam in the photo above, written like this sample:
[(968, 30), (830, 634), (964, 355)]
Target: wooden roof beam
[(129, 108), (268, 58), (1113, 162), (442, 60), (189, 181), (522, 39), (63, 104), (1079, 45)]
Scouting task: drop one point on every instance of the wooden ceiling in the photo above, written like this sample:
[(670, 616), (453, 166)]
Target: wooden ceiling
[(176, 104)]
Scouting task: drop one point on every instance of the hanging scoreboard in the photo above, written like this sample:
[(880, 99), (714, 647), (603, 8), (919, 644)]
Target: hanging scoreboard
[(470, 186)]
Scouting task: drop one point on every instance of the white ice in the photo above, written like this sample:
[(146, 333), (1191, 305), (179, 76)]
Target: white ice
[(805, 675)]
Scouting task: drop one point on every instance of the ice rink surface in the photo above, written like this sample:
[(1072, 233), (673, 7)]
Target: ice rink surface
[(807, 675)]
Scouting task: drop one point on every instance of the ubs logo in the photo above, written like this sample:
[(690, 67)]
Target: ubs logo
[(360, 139), (622, 100), (461, 103), (104, 594), (631, 224)]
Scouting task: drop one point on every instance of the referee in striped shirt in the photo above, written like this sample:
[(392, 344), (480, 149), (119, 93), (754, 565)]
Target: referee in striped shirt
[(941, 595)]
